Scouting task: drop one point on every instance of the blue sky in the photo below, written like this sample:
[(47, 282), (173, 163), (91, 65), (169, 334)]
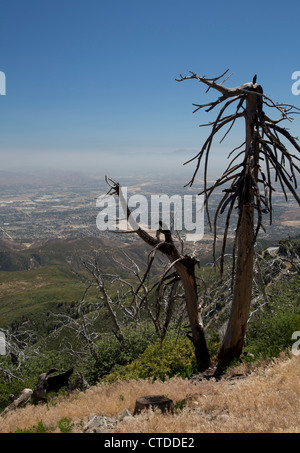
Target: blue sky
[(90, 85)]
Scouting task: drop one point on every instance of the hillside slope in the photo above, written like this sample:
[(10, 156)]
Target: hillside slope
[(50, 276), (256, 399), (66, 252)]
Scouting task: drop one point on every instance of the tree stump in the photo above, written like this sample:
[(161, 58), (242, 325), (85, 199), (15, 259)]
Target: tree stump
[(155, 401)]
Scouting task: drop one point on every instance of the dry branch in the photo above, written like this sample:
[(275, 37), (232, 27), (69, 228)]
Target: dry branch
[(184, 265), (247, 187)]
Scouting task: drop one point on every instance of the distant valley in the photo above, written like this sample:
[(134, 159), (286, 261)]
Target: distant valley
[(48, 228)]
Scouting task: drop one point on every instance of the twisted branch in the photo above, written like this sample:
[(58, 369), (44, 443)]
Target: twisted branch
[(272, 152)]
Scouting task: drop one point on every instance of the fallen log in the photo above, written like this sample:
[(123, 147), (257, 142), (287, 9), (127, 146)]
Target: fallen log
[(21, 399)]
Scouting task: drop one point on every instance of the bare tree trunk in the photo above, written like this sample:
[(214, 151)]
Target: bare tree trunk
[(186, 271), (185, 267), (234, 337), (94, 270), (87, 337)]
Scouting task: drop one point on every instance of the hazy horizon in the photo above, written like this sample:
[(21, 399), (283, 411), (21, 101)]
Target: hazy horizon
[(127, 163), (90, 86)]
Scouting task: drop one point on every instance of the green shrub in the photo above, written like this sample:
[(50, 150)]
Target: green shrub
[(270, 330), (270, 335), (180, 405), (172, 357), (213, 344), (111, 356), (39, 428), (65, 425)]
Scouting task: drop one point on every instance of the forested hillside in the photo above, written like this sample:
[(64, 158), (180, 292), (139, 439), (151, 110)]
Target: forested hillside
[(55, 315)]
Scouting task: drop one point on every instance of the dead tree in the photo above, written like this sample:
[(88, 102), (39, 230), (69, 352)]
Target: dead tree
[(161, 307), (249, 186), (20, 347), (47, 383), (98, 281), (184, 265)]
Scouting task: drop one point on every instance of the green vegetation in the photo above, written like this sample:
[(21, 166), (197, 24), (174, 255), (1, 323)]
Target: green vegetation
[(112, 357), (65, 426), (270, 330), (50, 278), (180, 405), (32, 295), (28, 297), (40, 428), (172, 357)]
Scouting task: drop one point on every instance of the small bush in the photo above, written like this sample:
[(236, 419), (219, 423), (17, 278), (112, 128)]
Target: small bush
[(270, 335), (180, 405), (40, 428), (111, 356), (213, 345), (65, 425), (271, 329), (158, 361)]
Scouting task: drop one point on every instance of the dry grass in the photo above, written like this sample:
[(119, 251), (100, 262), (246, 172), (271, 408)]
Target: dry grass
[(266, 400)]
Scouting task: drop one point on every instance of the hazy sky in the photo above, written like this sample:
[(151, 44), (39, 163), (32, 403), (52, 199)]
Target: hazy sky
[(90, 84)]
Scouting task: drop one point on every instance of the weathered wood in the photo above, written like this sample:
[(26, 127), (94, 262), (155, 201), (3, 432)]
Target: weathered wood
[(21, 399), (47, 383), (233, 340), (154, 401), (80, 382)]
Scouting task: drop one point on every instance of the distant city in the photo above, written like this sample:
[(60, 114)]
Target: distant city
[(37, 211)]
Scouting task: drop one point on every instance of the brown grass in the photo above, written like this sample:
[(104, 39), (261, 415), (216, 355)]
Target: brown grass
[(266, 400)]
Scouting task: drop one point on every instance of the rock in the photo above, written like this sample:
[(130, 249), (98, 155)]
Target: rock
[(125, 413), (247, 354), (223, 417), (154, 401), (99, 424)]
